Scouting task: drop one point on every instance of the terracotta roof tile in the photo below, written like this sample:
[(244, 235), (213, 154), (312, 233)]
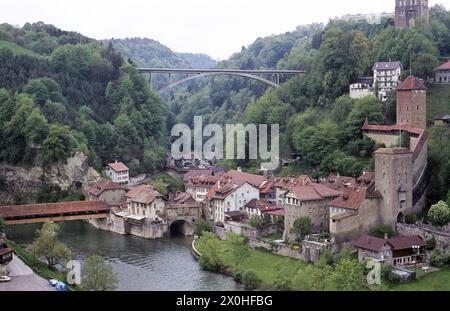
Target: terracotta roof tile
[(411, 83), (52, 208), (370, 243), (103, 185), (445, 66), (406, 242), (118, 167), (143, 194)]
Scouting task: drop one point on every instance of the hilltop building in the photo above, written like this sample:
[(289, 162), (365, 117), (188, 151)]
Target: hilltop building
[(118, 172), (386, 77), (442, 73), (409, 12)]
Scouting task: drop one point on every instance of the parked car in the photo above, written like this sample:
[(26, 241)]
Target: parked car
[(5, 278), (60, 286)]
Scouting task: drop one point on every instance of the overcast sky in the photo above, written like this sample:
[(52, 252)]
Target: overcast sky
[(215, 27)]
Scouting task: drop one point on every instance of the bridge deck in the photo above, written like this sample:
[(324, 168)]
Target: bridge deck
[(32, 213), (229, 71)]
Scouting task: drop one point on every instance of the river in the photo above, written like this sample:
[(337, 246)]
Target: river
[(141, 265)]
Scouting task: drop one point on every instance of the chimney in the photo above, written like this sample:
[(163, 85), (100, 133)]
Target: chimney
[(386, 237)]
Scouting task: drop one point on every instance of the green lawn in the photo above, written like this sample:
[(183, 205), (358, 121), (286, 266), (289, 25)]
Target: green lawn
[(16, 49), (267, 266), (438, 100), (436, 281)]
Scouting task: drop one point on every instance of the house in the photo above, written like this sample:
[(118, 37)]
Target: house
[(145, 204), (285, 184), (386, 77), (260, 208), (397, 251), (441, 119), (180, 212), (6, 256), (308, 200), (199, 186), (229, 196), (118, 172), (107, 191), (442, 73), (362, 88)]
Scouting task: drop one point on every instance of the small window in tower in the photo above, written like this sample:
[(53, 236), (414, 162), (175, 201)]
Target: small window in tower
[(417, 107)]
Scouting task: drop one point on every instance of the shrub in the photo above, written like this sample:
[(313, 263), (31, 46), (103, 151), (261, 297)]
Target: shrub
[(201, 226), (250, 280), (439, 214), (411, 219), (430, 244), (380, 231), (438, 259), (256, 222)]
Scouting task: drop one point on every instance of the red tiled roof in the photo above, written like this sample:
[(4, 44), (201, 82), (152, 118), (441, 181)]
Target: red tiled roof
[(445, 66), (143, 194), (391, 128), (278, 212), (118, 167), (221, 192), (6, 250), (181, 198), (406, 242), (314, 192), (104, 184), (52, 208), (197, 173), (204, 180), (263, 206), (411, 83), (397, 243), (241, 177), (370, 243), (288, 182), (351, 200)]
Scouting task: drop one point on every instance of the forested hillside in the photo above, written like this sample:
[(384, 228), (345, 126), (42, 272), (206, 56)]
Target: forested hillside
[(61, 92)]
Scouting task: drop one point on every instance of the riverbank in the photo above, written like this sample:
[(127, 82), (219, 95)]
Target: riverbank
[(37, 266)]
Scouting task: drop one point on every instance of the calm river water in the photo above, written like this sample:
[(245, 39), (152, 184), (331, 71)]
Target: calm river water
[(141, 265)]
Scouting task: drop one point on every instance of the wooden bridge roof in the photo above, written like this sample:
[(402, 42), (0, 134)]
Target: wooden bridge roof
[(53, 208)]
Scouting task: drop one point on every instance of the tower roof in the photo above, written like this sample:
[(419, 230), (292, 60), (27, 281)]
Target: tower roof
[(411, 83)]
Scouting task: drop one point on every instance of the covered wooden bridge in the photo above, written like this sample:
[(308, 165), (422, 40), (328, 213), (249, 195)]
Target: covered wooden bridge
[(64, 211)]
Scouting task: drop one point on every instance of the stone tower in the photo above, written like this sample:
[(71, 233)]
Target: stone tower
[(407, 12), (412, 103), (394, 180)]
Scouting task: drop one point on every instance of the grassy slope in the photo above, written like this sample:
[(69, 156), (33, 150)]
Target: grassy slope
[(266, 265), (16, 49), (438, 100), (437, 281)]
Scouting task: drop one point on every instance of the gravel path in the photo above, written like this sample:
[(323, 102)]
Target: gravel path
[(23, 278)]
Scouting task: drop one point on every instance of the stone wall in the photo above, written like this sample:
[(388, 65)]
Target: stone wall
[(250, 232), (442, 235)]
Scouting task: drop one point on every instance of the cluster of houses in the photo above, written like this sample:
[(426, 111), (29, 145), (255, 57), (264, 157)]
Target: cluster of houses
[(387, 77)]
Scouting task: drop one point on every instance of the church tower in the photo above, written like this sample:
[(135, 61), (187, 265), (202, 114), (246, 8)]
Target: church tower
[(407, 12), (412, 103)]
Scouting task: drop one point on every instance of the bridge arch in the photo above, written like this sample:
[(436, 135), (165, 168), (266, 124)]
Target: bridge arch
[(181, 228), (206, 74)]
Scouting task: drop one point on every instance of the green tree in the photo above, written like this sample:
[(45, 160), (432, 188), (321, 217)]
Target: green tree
[(48, 246), (439, 214), (302, 227), (36, 127), (239, 249), (98, 275), (201, 226), (250, 280), (2, 226), (367, 107), (256, 222), (58, 144), (210, 259), (348, 275)]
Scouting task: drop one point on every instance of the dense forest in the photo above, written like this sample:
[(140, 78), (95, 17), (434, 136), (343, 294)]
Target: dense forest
[(61, 92)]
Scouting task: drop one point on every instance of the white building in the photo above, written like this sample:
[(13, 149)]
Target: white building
[(229, 197), (145, 203), (199, 186), (360, 90), (386, 77), (118, 172)]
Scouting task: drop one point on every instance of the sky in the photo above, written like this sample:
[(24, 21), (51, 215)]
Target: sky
[(218, 28)]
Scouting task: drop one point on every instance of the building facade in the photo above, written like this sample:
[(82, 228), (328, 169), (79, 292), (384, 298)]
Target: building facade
[(386, 78), (409, 12), (118, 172), (442, 73), (107, 191)]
